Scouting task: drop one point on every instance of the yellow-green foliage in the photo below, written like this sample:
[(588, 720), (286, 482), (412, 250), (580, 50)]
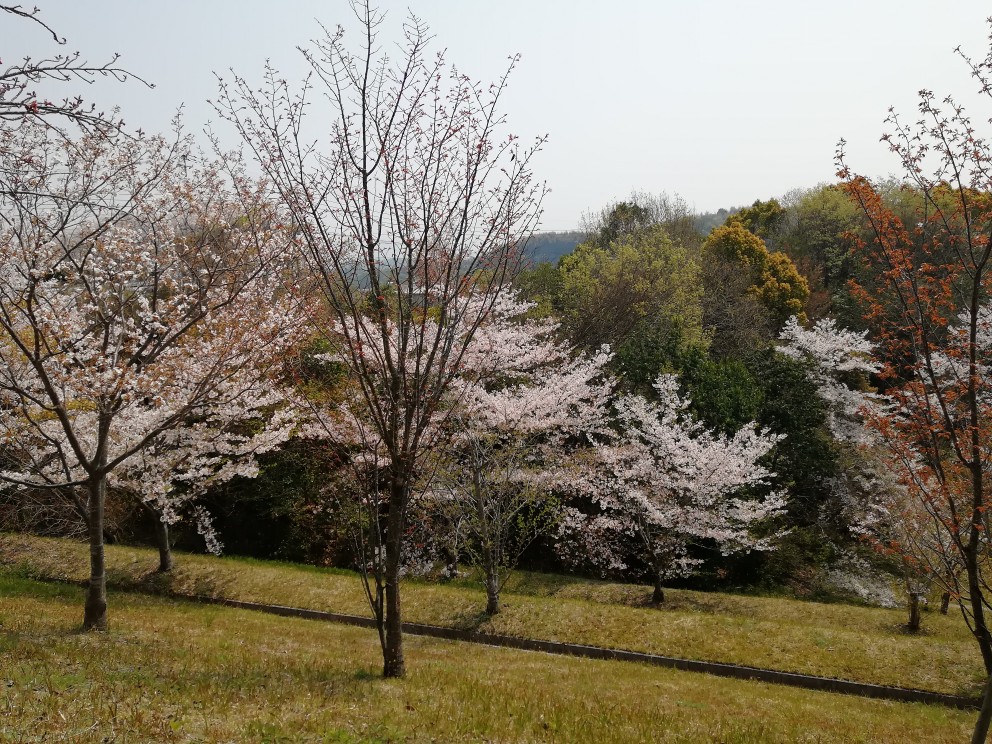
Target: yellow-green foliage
[(783, 290), (734, 242), (762, 218), (607, 292), (775, 280), (180, 672)]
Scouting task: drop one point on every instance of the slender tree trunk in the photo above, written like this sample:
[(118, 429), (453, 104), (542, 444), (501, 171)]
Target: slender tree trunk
[(393, 664), (489, 562), (913, 626), (945, 602), (492, 590), (658, 596), (981, 630), (984, 716), (976, 595), (95, 612), (164, 547), (973, 557)]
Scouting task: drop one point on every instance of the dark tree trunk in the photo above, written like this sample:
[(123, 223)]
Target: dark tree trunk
[(95, 612), (489, 562), (164, 547), (984, 715), (913, 626), (393, 664), (658, 596), (976, 600), (981, 630), (661, 562), (945, 602), (492, 591), (972, 555)]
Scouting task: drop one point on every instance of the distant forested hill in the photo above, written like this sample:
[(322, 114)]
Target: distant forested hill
[(548, 247)]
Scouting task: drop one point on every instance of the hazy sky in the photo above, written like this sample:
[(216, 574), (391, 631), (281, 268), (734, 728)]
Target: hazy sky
[(721, 101)]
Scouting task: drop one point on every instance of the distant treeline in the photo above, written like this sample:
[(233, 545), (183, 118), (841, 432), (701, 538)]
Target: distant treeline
[(549, 247)]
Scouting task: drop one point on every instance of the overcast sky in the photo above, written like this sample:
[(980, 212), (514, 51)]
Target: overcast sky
[(721, 101)]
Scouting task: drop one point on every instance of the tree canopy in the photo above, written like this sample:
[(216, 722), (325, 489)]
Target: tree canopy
[(774, 279)]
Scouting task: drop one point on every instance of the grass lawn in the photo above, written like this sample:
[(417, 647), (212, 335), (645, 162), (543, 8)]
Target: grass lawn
[(838, 640), (175, 671)]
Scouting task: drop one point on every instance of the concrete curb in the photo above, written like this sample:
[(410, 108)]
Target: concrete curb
[(734, 671)]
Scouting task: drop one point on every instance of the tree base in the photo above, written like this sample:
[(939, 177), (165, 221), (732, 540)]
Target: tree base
[(95, 619), (913, 624)]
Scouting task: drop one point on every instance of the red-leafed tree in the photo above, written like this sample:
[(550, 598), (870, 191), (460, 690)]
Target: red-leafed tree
[(926, 295)]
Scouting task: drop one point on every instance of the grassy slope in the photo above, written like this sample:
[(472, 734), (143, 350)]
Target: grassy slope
[(859, 643), (175, 671)]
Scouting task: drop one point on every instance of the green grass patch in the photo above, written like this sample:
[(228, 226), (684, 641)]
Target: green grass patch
[(170, 671), (836, 640)]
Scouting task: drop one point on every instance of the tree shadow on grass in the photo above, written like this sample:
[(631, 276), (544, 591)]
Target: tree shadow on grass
[(470, 620), (903, 629), (173, 583)]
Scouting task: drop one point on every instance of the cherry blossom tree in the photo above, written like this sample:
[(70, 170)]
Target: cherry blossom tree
[(878, 507), (668, 482), (419, 199), (141, 292), (839, 362), (522, 406), (218, 444), (166, 478)]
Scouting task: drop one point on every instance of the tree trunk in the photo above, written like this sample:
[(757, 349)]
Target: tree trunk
[(489, 562), (945, 602), (984, 715), (913, 626), (95, 612), (981, 630), (164, 548), (492, 591), (658, 596), (393, 664), (973, 555)]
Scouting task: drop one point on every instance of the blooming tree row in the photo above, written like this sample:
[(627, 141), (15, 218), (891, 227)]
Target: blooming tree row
[(148, 298), (142, 307)]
